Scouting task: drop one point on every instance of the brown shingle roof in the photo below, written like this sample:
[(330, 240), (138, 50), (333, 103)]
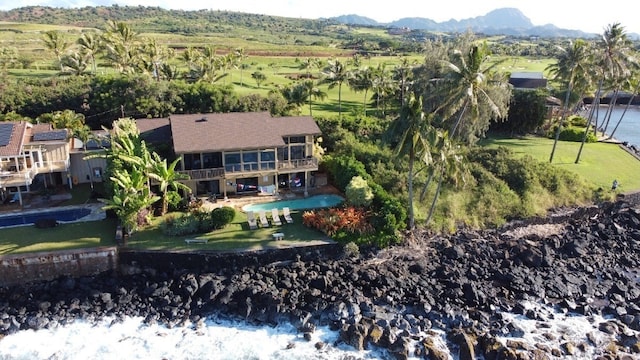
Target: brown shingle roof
[(14, 147), (155, 130), (231, 131)]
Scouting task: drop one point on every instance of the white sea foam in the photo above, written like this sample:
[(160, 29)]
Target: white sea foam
[(215, 339), (555, 330), (132, 339)]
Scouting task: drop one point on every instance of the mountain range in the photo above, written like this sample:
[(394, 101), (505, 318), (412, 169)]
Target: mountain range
[(504, 21)]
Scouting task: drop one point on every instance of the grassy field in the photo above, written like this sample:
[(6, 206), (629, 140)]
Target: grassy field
[(600, 163), (25, 239), (235, 236)]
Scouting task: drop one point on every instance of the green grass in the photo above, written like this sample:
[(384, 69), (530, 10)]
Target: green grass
[(600, 163), (26, 239), (235, 236)]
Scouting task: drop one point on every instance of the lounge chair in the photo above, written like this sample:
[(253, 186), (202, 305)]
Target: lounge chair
[(251, 219), (287, 215), (275, 217), (263, 219)]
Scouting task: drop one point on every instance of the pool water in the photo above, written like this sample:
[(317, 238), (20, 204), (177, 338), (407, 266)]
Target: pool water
[(30, 218), (312, 202)]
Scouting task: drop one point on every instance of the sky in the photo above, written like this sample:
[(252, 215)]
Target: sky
[(589, 16)]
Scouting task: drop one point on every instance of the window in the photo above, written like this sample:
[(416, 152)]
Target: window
[(192, 162), (295, 140), (232, 162), (297, 152), (250, 161), (267, 160), (211, 160)]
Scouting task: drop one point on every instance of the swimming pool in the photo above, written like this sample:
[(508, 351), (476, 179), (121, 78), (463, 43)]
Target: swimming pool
[(312, 202), (32, 217)]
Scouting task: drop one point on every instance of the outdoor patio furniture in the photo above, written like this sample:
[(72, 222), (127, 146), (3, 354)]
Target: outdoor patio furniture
[(263, 219), (275, 217), (251, 219), (278, 236), (287, 215)]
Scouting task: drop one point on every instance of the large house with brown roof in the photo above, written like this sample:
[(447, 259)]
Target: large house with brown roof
[(32, 153), (235, 153)]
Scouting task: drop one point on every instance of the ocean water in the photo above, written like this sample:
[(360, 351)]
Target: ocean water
[(629, 128), (224, 339)]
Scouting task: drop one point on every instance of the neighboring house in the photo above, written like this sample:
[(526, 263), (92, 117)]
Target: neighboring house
[(30, 155), (85, 168), (236, 153), (527, 80)]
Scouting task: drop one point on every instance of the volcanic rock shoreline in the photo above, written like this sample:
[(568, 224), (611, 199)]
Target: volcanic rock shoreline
[(583, 261)]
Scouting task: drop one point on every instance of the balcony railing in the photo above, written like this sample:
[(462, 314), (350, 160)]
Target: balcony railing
[(204, 174), (308, 163)]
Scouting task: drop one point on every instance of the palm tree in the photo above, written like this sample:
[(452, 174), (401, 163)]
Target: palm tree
[(54, 41), (571, 66), (313, 91), (167, 177), (473, 91), (336, 74), (402, 75), (446, 163), (155, 56), (75, 63), (296, 95), (382, 85), (362, 81), (412, 128), (91, 45), (240, 56), (614, 59), (122, 45), (635, 90), (309, 64)]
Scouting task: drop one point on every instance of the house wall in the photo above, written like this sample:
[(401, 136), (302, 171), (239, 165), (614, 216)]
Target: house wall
[(81, 169)]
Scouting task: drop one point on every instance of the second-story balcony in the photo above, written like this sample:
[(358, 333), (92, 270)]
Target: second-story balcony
[(252, 168)]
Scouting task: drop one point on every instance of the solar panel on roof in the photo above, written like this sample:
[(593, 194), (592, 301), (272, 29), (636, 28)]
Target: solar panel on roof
[(5, 133), (50, 135)]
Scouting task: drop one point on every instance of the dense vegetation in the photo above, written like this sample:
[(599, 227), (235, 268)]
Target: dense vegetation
[(404, 130)]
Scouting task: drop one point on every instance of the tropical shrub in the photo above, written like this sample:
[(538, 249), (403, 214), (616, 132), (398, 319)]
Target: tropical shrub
[(359, 192), (350, 220), (221, 217)]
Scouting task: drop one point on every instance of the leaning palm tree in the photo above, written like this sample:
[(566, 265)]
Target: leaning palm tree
[(409, 133), (613, 56), (447, 163), (54, 41), (336, 74), (636, 88), (473, 92), (572, 64)]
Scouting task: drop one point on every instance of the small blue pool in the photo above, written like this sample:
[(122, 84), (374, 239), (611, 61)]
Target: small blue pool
[(312, 202), (30, 218)]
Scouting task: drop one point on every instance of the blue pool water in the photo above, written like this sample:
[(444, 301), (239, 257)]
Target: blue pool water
[(30, 218), (313, 202)]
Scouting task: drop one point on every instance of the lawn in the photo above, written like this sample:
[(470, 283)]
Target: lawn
[(235, 236), (88, 234), (600, 163)]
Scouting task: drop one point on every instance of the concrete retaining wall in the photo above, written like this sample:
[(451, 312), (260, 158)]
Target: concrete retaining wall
[(44, 266)]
